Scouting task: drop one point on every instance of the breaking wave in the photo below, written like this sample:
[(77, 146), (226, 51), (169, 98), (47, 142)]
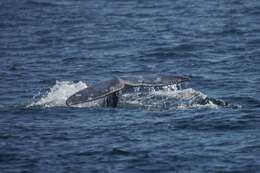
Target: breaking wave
[(149, 98)]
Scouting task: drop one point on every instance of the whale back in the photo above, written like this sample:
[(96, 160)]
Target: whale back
[(96, 91)]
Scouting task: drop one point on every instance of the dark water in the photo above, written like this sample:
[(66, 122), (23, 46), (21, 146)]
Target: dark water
[(55, 48)]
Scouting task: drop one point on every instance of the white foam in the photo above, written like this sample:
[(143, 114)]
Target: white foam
[(58, 94), (170, 97), (188, 98), (191, 105)]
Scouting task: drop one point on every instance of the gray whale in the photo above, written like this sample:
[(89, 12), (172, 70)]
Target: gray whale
[(109, 89)]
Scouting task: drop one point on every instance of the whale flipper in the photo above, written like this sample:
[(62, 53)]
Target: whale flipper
[(100, 90)]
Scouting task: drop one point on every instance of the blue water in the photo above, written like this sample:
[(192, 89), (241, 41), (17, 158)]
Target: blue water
[(49, 50)]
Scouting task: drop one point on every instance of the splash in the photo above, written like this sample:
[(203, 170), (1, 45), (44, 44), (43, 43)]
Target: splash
[(149, 98), (58, 94), (170, 97)]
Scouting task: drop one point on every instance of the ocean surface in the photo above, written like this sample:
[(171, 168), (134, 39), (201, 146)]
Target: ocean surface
[(51, 49)]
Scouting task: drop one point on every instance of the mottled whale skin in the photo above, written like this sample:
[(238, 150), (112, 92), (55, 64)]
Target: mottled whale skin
[(109, 89)]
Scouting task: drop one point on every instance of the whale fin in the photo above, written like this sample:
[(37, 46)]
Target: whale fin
[(96, 91), (154, 80)]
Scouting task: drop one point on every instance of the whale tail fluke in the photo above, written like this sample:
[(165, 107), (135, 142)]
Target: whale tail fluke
[(97, 91), (154, 80), (111, 87)]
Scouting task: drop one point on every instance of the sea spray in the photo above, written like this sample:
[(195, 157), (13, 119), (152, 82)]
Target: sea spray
[(169, 97), (58, 94)]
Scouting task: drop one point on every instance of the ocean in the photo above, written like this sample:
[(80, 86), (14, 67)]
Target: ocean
[(49, 50)]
